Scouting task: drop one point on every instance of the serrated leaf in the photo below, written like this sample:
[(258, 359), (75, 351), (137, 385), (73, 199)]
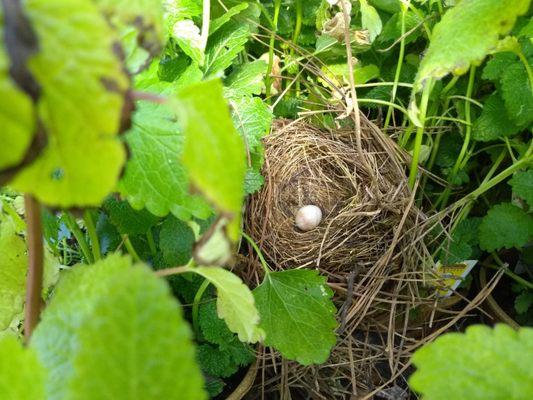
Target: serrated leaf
[(505, 226), (83, 86), (466, 34), (155, 178), (523, 301), (13, 266), (223, 46), (21, 374), (370, 20), (482, 364), (127, 220), (55, 338), (462, 244), (252, 118), (235, 303), (517, 95), (522, 184), (213, 152), (493, 123), (213, 328), (187, 36), (135, 336), (246, 79), (176, 240), (215, 362), (217, 23), (181, 9), (253, 181), (297, 314), (497, 65), (16, 113)]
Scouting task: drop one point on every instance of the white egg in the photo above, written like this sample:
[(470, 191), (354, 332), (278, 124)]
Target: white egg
[(308, 218)]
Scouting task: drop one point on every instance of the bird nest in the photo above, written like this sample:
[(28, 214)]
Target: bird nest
[(362, 199), (369, 244)]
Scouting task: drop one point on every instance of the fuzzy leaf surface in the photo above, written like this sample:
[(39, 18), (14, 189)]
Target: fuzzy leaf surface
[(21, 374), (213, 152), (505, 226), (223, 46), (466, 34), (83, 86), (522, 184), (493, 123), (481, 364), (517, 95), (297, 314), (235, 303), (246, 79)]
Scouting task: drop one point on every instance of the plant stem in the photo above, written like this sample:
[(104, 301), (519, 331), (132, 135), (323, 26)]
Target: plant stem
[(206, 10), (398, 69), (523, 58), (151, 242), (72, 225), (131, 249), (518, 279), (264, 264), (93, 236), (34, 280), (268, 78), (413, 172), (196, 305)]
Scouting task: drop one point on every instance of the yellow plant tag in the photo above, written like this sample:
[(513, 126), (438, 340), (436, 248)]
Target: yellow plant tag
[(449, 277)]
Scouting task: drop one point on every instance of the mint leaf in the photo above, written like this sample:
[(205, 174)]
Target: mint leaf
[(213, 152), (466, 34), (213, 328), (370, 20), (235, 303), (215, 362), (21, 375), (522, 184), (505, 226), (517, 95), (493, 124), (13, 266), (83, 85), (126, 219), (481, 364), (176, 240), (523, 301), (297, 314), (223, 46), (226, 17), (135, 344), (252, 118), (463, 243), (246, 79), (155, 178), (16, 113), (497, 65), (253, 181)]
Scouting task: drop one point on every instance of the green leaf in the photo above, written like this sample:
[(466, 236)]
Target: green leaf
[(497, 65), (523, 301), (462, 245), (16, 113), (226, 17), (223, 46), (517, 94), (370, 20), (135, 345), (253, 181), (13, 266), (213, 152), (188, 38), (297, 315), (522, 184), (450, 146), (127, 220), (83, 86), (155, 178), (252, 118), (176, 240), (246, 79), (21, 375), (466, 34), (55, 338), (482, 364), (493, 124), (505, 226), (235, 303), (213, 328), (215, 362)]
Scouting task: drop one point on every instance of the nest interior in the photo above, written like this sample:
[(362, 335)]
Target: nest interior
[(361, 210), (369, 244)]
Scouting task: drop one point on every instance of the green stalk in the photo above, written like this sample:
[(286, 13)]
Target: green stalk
[(413, 172), (277, 7), (527, 66), (196, 305), (93, 236), (131, 249), (398, 70), (151, 242), (72, 225), (444, 197), (264, 264)]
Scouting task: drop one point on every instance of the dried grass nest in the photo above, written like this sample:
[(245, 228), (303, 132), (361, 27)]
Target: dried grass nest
[(370, 245), (361, 209)]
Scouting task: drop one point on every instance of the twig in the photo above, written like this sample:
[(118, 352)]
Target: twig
[(34, 281)]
